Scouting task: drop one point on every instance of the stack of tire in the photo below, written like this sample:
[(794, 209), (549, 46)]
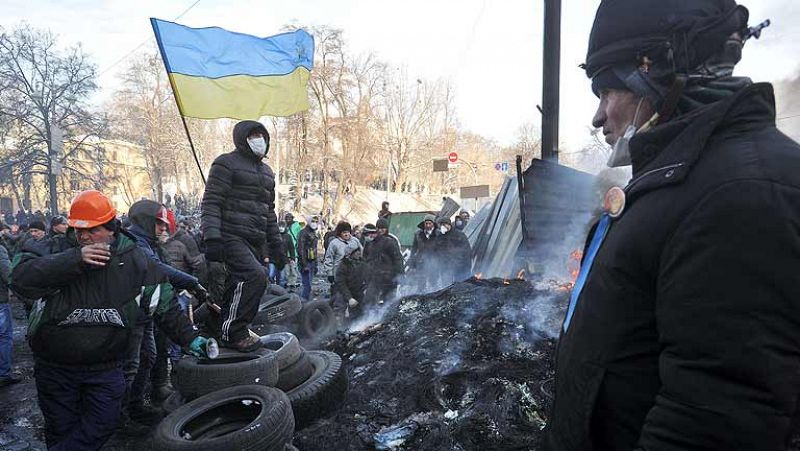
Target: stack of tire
[(250, 400)]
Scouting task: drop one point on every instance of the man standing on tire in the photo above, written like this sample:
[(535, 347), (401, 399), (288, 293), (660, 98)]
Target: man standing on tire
[(682, 330), (240, 228), (89, 298)]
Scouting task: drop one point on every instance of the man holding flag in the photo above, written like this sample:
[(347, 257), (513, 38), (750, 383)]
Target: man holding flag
[(240, 228), (216, 73)]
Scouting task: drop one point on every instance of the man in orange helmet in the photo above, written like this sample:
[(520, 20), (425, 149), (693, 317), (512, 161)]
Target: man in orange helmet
[(90, 296)]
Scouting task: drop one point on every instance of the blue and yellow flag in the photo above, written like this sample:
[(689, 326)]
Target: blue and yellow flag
[(217, 73)]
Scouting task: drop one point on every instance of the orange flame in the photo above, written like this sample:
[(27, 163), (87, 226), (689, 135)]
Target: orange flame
[(521, 274), (478, 276), (574, 265), (506, 282)]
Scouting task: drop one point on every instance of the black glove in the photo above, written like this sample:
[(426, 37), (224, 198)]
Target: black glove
[(215, 251), (200, 293)]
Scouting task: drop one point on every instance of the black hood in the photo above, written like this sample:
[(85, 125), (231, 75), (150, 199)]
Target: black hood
[(240, 133), (143, 214)]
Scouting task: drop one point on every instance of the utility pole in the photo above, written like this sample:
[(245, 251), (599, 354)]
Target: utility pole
[(55, 148), (551, 82)]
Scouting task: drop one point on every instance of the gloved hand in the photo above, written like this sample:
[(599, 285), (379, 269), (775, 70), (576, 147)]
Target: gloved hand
[(201, 293), (330, 279), (215, 251), (352, 302), (198, 347)]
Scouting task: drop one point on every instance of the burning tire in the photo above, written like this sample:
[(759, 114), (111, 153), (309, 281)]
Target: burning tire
[(323, 392), (172, 403), (236, 418), (295, 374), (317, 319), (285, 346), (276, 308), (197, 377)]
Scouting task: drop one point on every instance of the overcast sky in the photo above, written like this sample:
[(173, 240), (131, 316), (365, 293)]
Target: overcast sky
[(490, 50)]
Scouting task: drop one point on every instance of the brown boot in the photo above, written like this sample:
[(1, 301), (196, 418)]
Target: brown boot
[(248, 344)]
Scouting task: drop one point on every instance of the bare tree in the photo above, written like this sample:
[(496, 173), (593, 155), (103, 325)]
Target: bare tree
[(43, 103), (145, 114)]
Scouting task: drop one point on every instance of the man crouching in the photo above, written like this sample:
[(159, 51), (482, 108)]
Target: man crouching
[(79, 329)]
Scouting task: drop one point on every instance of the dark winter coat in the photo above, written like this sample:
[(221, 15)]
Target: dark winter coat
[(383, 257), (454, 253), (86, 313), (188, 241), (142, 216), (351, 279), (686, 334), (288, 245), (239, 200), (177, 255), (307, 247), (423, 248)]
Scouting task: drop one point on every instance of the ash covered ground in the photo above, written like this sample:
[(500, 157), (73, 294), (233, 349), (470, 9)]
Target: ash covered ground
[(468, 367)]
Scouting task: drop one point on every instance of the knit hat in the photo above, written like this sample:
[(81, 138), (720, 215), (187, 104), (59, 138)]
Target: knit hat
[(38, 225)]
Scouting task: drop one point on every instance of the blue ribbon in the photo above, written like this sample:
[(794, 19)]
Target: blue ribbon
[(599, 235)]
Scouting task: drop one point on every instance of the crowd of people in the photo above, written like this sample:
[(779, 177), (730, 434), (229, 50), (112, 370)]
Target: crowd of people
[(108, 294)]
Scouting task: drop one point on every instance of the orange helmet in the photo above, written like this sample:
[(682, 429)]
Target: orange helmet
[(90, 209)]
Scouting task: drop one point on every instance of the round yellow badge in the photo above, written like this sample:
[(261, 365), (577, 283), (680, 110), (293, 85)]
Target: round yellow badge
[(614, 202)]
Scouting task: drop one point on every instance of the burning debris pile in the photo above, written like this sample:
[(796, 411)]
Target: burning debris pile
[(467, 367)]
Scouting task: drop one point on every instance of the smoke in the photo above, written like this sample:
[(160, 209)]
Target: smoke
[(787, 97)]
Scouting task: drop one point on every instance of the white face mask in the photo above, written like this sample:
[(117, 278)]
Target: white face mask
[(163, 237), (258, 146), (621, 153), (281, 229), (443, 230), (313, 226)]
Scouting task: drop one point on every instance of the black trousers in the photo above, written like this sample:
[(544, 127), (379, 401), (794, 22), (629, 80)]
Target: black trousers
[(244, 287), (80, 408)]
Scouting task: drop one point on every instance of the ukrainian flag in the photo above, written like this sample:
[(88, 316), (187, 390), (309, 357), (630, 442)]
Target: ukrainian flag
[(216, 73)]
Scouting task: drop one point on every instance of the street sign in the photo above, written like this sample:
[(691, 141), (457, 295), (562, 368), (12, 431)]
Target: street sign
[(452, 157), (474, 192), (502, 166), (440, 165)]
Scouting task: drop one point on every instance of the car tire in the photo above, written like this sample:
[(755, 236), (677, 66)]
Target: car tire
[(274, 309), (295, 374), (286, 346), (197, 377), (317, 319), (323, 392), (247, 417)]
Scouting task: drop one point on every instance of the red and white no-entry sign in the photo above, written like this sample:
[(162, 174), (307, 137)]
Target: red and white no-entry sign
[(452, 157)]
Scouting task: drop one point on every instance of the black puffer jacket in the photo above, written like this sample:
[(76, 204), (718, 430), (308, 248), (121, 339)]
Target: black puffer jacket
[(686, 334), (239, 200), (383, 257), (455, 253)]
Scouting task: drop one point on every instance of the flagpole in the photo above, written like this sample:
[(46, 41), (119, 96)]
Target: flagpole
[(177, 103)]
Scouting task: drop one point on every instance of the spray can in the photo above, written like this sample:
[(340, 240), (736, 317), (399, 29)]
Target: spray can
[(212, 348)]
